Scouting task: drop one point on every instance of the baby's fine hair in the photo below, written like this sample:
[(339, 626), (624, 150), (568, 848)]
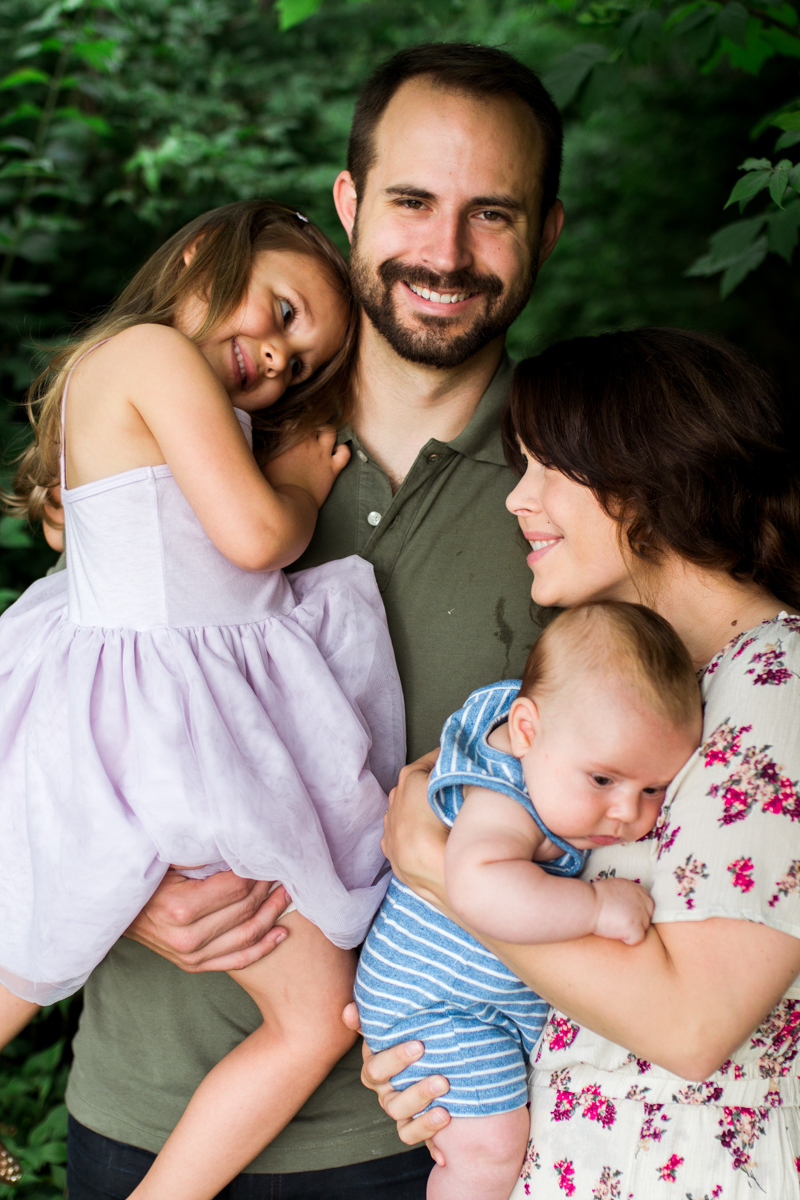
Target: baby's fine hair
[(615, 639), (226, 241)]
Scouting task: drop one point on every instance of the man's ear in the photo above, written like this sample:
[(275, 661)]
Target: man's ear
[(523, 725), (346, 201), (551, 231)]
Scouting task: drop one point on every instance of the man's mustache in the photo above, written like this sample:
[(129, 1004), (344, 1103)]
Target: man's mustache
[(393, 271)]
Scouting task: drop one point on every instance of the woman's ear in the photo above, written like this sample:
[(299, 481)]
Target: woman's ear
[(523, 725)]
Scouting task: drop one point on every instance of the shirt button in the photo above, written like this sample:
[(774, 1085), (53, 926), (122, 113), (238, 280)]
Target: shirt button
[(432, 457), (374, 518), (361, 456)]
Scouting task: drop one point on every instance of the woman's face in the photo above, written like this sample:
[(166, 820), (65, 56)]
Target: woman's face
[(575, 552)]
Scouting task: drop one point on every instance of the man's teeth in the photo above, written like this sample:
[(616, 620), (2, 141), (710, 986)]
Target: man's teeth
[(541, 545), (439, 297), (240, 361)]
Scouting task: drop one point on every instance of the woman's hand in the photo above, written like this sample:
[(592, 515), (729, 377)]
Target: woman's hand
[(414, 838), (222, 923), (312, 465), (377, 1073)]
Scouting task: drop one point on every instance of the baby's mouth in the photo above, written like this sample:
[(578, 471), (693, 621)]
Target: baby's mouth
[(240, 361)]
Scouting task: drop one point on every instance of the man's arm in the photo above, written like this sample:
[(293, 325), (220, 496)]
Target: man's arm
[(222, 923)]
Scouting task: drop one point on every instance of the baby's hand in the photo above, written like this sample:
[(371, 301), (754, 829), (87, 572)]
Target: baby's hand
[(312, 464), (624, 910)]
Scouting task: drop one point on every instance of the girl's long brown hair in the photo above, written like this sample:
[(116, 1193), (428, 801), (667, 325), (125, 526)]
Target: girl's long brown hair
[(226, 239), (681, 439)]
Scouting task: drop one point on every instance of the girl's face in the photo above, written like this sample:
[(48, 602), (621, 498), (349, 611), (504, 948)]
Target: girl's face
[(290, 322), (575, 552)]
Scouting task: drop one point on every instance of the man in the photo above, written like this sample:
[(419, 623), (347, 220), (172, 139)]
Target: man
[(450, 205)]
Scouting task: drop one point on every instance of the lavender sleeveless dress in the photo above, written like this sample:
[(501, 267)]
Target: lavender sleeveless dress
[(159, 705)]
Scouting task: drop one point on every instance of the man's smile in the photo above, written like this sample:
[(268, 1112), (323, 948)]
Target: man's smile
[(443, 302)]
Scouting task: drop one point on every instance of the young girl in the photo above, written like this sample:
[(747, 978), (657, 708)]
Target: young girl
[(531, 775), (173, 697)]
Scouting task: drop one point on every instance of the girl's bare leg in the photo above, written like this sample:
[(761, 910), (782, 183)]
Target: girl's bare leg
[(240, 1106), (483, 1157), (14, 1016)]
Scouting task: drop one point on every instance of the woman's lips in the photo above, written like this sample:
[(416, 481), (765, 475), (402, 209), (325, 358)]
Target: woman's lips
[(540, 544)]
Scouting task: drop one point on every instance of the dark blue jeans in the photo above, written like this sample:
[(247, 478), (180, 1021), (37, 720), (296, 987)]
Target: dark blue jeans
[(99, 1168)]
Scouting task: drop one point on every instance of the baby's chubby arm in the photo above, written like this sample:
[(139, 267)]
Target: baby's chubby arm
[(495, 888)]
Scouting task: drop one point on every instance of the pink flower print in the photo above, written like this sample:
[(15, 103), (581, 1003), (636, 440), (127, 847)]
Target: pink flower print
[(564, 1106), (797, 1165), (742, 871), (786, 801), (652, 1129), (530, 1163), (741, 1129), (699, 1093), (643, 1066), (771, 670), (747, 642), (596, 1106), (756, 779), (561, 1032), (669, 1169), (608, 1185), (715, 1193), (688, 876), (636, 1092), (724, 744), (778, 1037), (566, 1175), (788, 884), (667, 840)]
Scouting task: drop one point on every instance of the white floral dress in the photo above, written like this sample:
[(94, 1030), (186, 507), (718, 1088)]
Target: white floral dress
[(608, 1126)]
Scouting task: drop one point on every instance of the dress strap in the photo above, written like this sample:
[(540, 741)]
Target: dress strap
[(62, 463)]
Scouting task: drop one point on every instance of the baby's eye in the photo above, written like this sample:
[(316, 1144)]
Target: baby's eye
[(288, 312), (601, 780), (653, 791)]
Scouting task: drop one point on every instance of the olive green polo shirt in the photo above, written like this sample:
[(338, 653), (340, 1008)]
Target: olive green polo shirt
[(450, 564)]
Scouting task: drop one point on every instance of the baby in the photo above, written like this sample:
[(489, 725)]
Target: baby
[(577, 755)]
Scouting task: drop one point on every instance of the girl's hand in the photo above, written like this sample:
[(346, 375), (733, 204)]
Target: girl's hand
[(377, 1074), (312, 465), (414, 838)]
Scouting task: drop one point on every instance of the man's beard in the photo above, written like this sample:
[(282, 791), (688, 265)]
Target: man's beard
[(433, 345)]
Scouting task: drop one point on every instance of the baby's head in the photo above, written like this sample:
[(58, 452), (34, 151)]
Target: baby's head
[(608, 712)]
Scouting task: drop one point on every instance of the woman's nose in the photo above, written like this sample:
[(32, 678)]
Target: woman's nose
[(521, 499)]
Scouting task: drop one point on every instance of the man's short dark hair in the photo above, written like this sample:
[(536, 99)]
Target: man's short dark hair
[(459, 67)]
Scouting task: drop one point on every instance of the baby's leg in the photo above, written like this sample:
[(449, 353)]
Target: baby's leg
[(483, 1156), (301, 990)]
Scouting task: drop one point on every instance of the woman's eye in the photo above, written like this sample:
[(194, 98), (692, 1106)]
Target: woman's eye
[(288, 312)]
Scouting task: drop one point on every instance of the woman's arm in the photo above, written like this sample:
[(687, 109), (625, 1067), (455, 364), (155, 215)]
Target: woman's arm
[(685, 998)]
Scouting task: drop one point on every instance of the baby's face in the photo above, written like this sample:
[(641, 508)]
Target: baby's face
[(597, 761)]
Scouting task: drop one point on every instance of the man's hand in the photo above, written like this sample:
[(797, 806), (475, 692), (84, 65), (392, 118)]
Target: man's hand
[(222, 923), (377, 1074)]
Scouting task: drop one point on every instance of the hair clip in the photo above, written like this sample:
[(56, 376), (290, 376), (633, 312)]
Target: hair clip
[(300, 217)]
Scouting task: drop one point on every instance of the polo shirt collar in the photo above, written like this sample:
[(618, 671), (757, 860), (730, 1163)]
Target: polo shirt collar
[(481, 438)]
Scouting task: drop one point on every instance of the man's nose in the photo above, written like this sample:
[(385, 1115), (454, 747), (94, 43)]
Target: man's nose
[(447, 247)]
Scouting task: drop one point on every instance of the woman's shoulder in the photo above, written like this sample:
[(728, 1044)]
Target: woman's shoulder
[(760, 656)]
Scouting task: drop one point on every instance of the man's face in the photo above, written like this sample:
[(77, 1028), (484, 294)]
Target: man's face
[(445, 245)]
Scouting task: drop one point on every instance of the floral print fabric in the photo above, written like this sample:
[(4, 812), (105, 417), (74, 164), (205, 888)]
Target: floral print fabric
[(608, 1126)]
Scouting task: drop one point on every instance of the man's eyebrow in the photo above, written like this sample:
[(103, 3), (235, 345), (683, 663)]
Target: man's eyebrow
[(419, 193)]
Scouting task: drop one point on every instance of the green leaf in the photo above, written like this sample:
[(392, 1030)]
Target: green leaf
[(100, 54), (727, 246), (756, 164), (782, 230), (741, 269), (794, 177), (292, 12), (564, 79), (14, 534), (784, 43), (779, 181), (746, 188), (732, 22), (24, 75), (98, 124), (788, 139), (788, 120)]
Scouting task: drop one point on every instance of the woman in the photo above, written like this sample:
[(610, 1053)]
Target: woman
[(654, 471)]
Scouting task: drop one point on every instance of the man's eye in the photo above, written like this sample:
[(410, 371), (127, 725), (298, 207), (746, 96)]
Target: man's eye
[(489, 214), (410, 202), (601, 780), (288, 312)]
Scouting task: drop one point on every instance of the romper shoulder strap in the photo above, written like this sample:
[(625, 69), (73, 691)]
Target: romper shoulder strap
[(62, 449)]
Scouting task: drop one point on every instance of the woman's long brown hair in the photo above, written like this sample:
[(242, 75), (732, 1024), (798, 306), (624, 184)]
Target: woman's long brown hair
[(680, 437), (226, 239)]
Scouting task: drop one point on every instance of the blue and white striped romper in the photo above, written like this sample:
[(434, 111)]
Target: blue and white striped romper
[(420, 976)]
